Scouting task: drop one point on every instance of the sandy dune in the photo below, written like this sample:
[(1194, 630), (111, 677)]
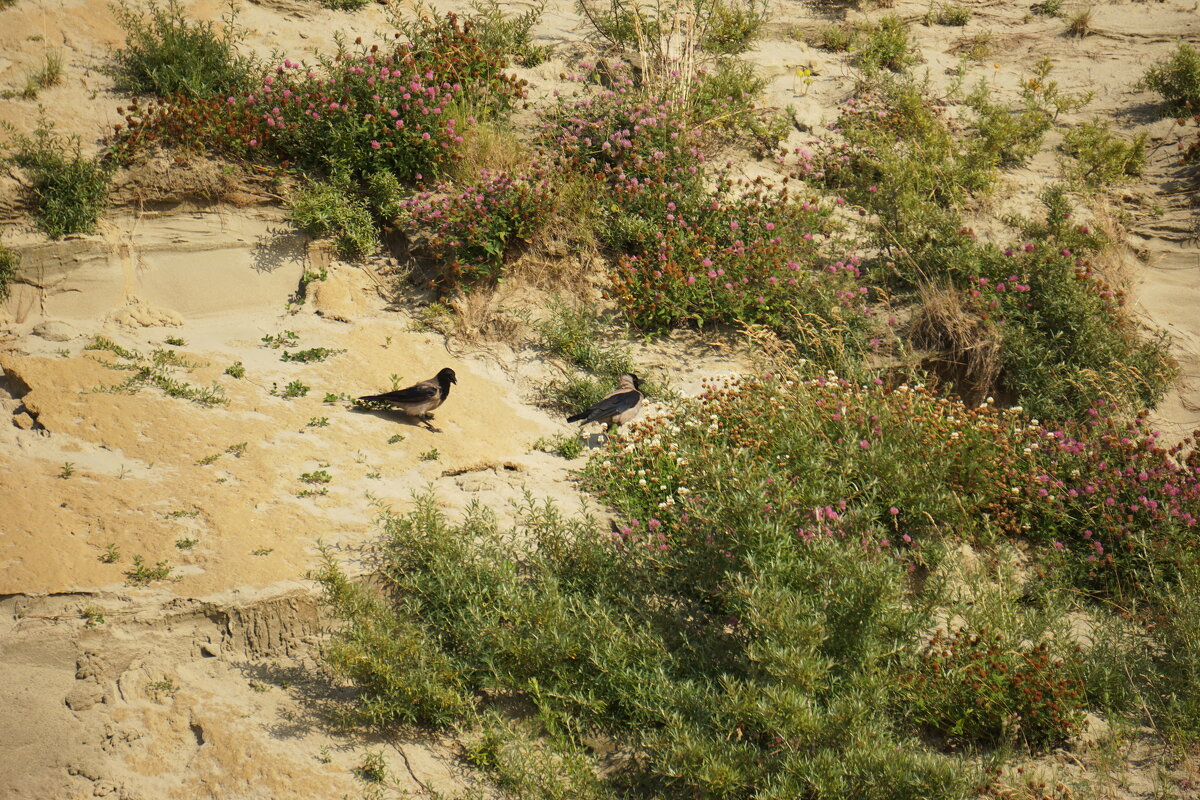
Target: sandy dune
[(205, 685)]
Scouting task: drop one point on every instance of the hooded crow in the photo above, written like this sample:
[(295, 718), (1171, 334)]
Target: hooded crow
[(617, 408), (420, 399)]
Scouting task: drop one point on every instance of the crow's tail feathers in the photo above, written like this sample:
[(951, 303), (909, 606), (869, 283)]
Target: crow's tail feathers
[(578, 417)]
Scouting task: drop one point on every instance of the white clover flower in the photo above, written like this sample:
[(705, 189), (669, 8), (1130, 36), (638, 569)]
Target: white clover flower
[(683, 490), (642, 482)]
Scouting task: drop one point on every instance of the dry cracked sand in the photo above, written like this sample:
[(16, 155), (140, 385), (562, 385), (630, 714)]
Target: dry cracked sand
[(207, 685)]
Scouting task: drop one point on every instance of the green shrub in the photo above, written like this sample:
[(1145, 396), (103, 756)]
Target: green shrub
[(1102, 157), (885, 45), (723, 100), (69, 190), (837, 38), (1176, 78), (734, 27), (167, 54), (9, 263), (330, 209), (717, 27), (511, 34)]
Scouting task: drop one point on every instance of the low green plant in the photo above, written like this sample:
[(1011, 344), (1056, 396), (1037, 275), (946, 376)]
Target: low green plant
[(68, 190), (92, 615), (168, 54), (329, 209), (141, 574), (10, 262), (67, 470), (319, 476), (155, 370), (309, 355), (296, 388), (430, 455), (318, 422), (1101, 157), (262, 551), (1048, 8), (733, 27), (1176, 78), (345, 5), (396, 438), (952, 14), (111, 554), (838, 38), (186, 543), (236, 370), (282, 339), (373, 768), (565, 446)]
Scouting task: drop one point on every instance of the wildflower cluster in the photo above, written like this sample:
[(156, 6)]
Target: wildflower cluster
[(893, 468), (364, 111), (471, 230)]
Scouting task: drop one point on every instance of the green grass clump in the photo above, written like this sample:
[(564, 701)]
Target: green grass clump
[(168, 54), (595, 359), (69, 190), (1176, 78), (345, 5)]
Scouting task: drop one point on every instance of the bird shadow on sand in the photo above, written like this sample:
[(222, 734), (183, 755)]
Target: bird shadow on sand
[(391, 415)]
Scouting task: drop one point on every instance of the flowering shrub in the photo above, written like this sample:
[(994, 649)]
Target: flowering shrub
[(973, 686), (1066, 342), (366, 110), (1107, 505), (471, 230)]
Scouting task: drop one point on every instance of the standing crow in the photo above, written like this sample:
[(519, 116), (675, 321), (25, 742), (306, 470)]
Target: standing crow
[(616, 409), (420, 399)]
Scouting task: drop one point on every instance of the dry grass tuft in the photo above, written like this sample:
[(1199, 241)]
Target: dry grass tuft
[(966, 349)]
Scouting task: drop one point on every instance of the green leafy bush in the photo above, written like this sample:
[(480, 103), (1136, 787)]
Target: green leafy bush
[(1102, 157), (69, 190), (885, 45), (330, 208), (511, 34), (167, 54), (9, 262), (1176, 78)]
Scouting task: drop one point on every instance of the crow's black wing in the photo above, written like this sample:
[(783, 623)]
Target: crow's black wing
[(609, 407), (413, 394)]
